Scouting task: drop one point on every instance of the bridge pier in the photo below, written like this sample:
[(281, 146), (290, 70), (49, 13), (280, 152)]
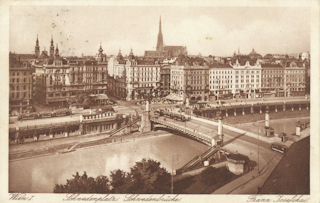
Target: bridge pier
[(145, 120), (251, 109), (284, 106)]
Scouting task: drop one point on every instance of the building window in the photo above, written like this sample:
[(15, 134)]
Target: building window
[(17, 73), (13, 80), (12, 95)]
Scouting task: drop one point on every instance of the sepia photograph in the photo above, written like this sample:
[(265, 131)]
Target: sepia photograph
[(150, 101)]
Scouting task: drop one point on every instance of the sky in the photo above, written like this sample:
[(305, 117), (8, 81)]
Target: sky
[(218, 31)]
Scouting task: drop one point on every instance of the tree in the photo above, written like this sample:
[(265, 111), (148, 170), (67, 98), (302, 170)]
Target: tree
[(149, 178), (84, 184), (120, 181), (145, 177)]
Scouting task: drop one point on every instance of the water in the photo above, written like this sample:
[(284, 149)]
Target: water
[(39, 175)]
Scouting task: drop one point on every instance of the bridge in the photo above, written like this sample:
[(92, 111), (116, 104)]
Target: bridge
[(205, 139)]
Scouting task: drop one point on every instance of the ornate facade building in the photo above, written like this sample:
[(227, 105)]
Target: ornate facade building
[(221, 81), (272, 80), (142, 77), (57, 79), (190, 79)]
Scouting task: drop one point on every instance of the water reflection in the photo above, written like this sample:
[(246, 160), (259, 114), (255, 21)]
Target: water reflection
[(38, 175)]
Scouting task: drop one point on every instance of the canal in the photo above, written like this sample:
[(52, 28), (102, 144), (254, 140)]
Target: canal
[(39, 175)]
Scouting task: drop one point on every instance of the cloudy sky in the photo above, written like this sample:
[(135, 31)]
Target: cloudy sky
[(206, 30)]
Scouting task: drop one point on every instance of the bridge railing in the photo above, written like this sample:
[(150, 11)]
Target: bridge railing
[(192, 133)]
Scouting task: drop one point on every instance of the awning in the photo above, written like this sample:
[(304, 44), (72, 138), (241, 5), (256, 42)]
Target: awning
[(174, 97), (99, 96)]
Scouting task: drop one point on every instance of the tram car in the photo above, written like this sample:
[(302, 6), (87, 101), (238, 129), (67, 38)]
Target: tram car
[(179, 117), (28, 116), (61, 112), (159, 112)]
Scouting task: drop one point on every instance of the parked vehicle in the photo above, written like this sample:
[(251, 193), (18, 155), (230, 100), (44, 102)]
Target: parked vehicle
[(279, 148)]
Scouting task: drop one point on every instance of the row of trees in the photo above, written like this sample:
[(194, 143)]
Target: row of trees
[(145, 177)]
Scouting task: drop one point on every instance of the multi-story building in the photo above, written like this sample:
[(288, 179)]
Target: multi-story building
[(221, 83), (165, 80), (272, 80), (190, 78), (294, 79), (20, 87), (142, 77), (247, 77), (57, 79)]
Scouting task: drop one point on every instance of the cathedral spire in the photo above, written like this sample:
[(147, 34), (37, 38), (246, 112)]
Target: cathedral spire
[(160, 31), (160, 38)]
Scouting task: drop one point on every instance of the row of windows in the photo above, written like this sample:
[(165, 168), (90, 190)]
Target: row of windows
[(220, 72), (18, 88), (248, 72), (146, 69), (85, 69), (17, 95), (18, 80), (248, 86), (18, 73)]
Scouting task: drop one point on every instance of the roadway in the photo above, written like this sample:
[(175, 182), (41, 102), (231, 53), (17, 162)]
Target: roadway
[(243, 144)]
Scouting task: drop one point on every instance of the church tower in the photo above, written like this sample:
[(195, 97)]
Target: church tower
[(37, 49), (51, 48), (160, 38), (57, 51)]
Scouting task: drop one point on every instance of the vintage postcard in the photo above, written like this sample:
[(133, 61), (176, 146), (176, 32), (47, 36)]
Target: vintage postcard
[(174, 101)]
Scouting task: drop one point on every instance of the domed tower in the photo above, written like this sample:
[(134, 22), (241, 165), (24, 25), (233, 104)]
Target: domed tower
[(101, 57), (119, 57), (37, 49), (51, 48), (131, 56)]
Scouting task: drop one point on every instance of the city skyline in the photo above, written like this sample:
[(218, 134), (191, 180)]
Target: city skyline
[(215, 30)]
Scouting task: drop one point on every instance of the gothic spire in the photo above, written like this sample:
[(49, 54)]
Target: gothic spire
[(160, 31), (160, 38), (37, 42)]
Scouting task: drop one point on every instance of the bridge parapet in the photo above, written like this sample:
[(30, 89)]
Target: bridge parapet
[(206, 139)]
